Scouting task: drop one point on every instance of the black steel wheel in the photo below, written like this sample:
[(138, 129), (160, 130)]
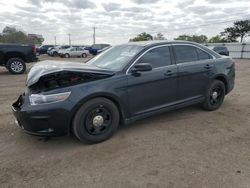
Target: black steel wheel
[(215, 95), (96, 120)]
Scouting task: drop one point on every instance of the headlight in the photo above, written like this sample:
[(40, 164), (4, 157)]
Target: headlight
[(36, 99)]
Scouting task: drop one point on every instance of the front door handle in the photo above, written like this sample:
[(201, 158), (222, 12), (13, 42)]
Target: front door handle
[(207, 66), (168, 73)]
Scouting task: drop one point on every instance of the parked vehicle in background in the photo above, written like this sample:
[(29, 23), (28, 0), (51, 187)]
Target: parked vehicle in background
[(54, 52), (43, 49), (73, 52), (97, 47), (14, 57), (50, 48), (102, 50), (222, 50), (123, 84)]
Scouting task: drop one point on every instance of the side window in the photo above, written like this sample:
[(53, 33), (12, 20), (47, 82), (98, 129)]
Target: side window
[(203, 55), (157, 57), (185, 53)]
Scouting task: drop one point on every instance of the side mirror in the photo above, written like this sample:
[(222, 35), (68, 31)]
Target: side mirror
[(142, 67)]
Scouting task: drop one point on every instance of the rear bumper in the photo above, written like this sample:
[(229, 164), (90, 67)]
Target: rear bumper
[(231, 80)]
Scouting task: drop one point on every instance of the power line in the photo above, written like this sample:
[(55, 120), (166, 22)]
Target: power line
[(211, 22)]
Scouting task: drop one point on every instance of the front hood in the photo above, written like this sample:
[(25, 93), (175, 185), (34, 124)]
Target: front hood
[(50, 66)]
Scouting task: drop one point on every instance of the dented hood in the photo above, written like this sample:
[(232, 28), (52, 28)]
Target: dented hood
[(50, 66)]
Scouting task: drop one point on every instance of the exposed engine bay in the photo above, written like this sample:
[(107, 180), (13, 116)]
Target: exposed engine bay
[(64, 79)]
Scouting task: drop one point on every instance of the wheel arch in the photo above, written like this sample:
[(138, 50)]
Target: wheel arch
[(10, 55), (223, 79)]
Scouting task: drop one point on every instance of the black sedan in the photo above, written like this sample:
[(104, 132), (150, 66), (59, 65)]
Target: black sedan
[(123, 84), (222, 50)]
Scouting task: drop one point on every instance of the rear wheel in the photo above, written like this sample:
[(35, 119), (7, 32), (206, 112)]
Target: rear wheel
[(84, 55), (214, 96), (96, 120), (16, 66)]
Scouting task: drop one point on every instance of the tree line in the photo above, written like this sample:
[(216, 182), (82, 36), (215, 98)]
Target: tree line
[(12, 35), (239, 30)]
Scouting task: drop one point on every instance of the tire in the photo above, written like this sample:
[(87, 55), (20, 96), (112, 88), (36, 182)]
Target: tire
[(89, 121), (214, 96), (84, 55), (67, 55), (16, 66), (55, 54)]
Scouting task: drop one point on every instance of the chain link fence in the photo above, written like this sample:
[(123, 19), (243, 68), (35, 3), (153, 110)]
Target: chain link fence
[(236, 50)]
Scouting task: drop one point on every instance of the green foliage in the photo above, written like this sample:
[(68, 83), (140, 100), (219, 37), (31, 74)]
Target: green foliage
[(142, 37), (240, 29), (217, 39), (193, 38), (12, 35), (159, 36)]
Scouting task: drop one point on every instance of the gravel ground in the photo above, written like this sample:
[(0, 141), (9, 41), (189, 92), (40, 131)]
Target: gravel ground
[(184, 148)]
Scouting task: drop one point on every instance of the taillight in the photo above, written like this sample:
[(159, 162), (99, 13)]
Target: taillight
[(34, 49), (233, 62)]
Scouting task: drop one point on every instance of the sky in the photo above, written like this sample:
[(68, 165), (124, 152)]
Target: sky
[(117, 21)]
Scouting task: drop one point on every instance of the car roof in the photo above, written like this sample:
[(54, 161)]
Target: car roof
[(157, 42), (152, 43)]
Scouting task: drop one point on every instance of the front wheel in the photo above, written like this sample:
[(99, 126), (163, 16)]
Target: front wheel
[(214, 96), (96, 120), (67, 55), (55, 54), (16, 66)]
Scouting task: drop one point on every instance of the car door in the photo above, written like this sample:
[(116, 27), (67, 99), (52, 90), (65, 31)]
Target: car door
[(73, 52), (155, 89), (79, 51), (195, 67)]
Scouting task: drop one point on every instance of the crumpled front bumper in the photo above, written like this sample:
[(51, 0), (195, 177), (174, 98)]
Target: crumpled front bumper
[(44, 120)]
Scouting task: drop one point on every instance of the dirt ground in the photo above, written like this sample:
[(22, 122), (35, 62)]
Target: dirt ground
[(184, 148)]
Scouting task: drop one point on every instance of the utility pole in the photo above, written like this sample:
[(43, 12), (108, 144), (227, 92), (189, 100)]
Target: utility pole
[(55, 40), (94, 34), (69, 39)]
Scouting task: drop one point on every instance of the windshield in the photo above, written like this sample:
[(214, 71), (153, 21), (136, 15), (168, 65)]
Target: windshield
[(116, 58)]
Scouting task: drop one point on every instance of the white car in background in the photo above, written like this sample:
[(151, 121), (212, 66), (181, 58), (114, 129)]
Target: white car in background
[(73, 52), (55, 51)]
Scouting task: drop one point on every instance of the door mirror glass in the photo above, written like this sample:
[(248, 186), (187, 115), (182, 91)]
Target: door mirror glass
[(142, 67)]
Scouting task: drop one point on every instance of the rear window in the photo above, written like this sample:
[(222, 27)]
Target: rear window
[(185, 53), (202, 55)]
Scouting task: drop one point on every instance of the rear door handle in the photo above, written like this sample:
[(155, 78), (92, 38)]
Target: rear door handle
[(168, 73)]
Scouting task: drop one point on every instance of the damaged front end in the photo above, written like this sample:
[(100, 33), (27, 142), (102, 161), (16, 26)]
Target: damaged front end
[(51, 83), (64, 79), (46, 76)]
